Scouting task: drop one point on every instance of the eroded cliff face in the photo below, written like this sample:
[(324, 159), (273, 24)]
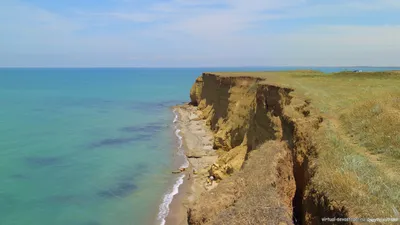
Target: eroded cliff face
[(244, 114), (241, 113)]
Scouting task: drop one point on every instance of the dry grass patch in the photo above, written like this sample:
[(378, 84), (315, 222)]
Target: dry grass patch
[(350, 178), (375, 124)]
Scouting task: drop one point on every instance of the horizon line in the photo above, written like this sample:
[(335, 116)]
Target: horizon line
[(180, 67)]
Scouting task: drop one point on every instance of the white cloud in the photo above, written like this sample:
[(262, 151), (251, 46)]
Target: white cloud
[(315, 46), (132, 17), (195, 33)]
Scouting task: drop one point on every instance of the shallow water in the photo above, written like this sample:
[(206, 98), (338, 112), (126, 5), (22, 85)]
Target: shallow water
[(86, 146), (89, 146)]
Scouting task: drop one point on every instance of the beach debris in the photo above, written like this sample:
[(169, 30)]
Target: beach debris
[(182, 169), (210, 180), (194, 171)]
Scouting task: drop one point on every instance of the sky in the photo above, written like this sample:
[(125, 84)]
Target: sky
[(199, 33)]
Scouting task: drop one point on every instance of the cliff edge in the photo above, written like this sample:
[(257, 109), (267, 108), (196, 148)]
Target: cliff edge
[(285, 152)]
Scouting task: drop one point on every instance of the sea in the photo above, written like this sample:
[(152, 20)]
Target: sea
[(94, 146)]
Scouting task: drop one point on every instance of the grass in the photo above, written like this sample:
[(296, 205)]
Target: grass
[(376, 125), (349, 176)]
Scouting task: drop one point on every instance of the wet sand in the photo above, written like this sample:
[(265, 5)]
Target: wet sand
[(197, 143)]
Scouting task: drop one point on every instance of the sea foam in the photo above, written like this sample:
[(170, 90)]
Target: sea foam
[(168, 197), (164, 207)]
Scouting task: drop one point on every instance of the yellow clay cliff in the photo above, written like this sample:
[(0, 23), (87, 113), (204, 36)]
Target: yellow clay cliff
[(273, 148)]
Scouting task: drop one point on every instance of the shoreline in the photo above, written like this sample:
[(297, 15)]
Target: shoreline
[(177, 181), (196, 144)]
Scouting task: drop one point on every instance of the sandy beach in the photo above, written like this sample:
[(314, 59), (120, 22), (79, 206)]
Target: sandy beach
[(197, 143)]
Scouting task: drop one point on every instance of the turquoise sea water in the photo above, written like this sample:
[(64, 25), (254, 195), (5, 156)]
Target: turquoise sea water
[(90, 146)]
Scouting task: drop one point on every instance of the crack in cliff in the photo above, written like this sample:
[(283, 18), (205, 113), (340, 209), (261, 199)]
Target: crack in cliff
[(288, 136), (309, 204), (307, 208), (297, 204)]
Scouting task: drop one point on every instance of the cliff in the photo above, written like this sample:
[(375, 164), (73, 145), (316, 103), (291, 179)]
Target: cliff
[(272, 164), (241, 113)]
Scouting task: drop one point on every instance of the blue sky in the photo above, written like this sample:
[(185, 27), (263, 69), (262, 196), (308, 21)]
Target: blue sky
[(174, 33)]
